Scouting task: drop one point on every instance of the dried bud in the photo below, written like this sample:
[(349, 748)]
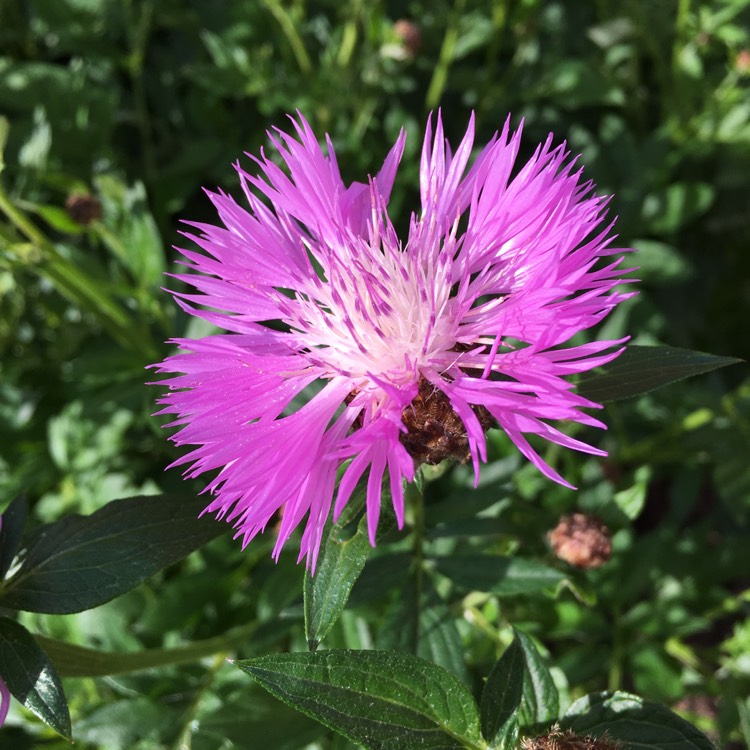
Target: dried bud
[(705, 706), (83, 208), (410, 36), (557, 739), (581, 540)]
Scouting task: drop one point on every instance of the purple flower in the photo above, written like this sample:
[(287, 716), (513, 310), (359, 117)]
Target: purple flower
[(4, 701), (347, 343)]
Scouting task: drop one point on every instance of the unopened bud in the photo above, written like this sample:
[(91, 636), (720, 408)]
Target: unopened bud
[(83, 208), (581, 540), (410, 36)]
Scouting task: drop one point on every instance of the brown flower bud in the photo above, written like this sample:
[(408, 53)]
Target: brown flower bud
[(83, 208), (742, 61), (581, 540), (557, 739), (410, 36)]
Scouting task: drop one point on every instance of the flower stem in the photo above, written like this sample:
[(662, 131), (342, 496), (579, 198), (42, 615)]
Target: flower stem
[(440, 75)]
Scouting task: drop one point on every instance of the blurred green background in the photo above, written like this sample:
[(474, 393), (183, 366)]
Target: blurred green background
[(117, 112)]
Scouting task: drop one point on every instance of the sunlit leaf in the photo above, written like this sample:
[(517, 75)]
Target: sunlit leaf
[(31, 678), (503, 692), (505, 576), (80, 562), (635, 722), (382, 700), (340, 562)]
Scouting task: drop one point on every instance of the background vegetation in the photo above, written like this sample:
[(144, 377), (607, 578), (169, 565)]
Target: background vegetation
[(139, 103)]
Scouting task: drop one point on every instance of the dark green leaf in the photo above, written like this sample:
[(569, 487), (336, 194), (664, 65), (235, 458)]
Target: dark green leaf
[(640, 369), (80, 562), (440, 641), (13, 523), (400, 627), (634, 721), (505, 576), (326, 593), (419, 622), (382, 700), (251, 718), (124, 724), (381, 575), (31, 678), (342, 557), (503, 692), (541, 701)]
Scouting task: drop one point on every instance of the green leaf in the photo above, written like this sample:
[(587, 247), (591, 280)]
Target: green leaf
[(419, 622), (326, 593), (503, 692), (634, 721), (440, 641), (12, 524), (504, 576), (342, 558), (670, 208), (640, 369), (251, 718), (507, 737), (80, 562), (541, 701), (382, 700), (31, 678)]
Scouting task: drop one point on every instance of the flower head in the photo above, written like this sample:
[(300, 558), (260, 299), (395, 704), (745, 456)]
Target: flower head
[(413, 346)]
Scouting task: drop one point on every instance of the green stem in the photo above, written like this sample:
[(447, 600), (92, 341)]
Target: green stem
[(183, 741), (618, 654), (78, 661), (440, 74), (290, 32), (75, 284), (22, 223), (416, 498), (348, 40), (678, 98), (138, 36)]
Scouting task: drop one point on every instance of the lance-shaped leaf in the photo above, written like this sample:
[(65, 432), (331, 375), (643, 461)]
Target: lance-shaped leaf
[(340, 562), (541, 701), (503, 692), (31, 678), (640, 369), (636, 723), (343, 555), (80, 562), (504, 576), (381, 700)]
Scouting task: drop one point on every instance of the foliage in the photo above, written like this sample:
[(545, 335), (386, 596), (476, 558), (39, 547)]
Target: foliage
[(463, 628)]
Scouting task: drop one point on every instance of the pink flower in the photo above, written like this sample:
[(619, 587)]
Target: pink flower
[(347, 343), (4, 701)]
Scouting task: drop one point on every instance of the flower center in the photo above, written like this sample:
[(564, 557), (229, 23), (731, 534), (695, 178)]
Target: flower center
[(435, 431)]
